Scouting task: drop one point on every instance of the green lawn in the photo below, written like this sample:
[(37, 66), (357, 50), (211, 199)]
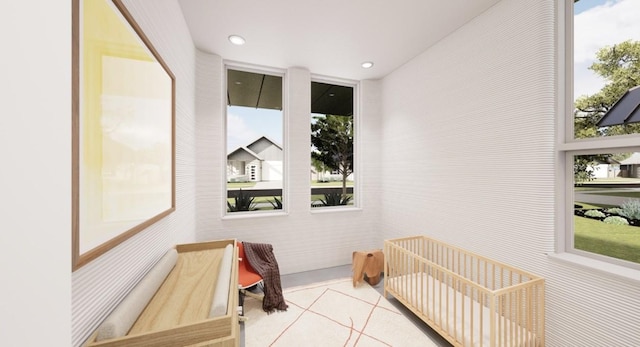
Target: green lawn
[(617, 241)]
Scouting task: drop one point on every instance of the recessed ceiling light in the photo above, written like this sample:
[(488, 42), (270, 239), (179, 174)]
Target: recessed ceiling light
[(236, 40), (367, 64)]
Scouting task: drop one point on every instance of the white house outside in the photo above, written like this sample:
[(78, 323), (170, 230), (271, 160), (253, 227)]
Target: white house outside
[(261, 160)]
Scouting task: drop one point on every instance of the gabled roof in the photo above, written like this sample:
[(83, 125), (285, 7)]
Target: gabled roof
[(633, 159), (626, 110), (245, 149), (266, 138)]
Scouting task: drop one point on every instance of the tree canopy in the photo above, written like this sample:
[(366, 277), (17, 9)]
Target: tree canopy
[(619, 65), (332, 144)]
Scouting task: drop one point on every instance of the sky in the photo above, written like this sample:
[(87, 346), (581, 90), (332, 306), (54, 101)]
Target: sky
[(247, 124), (597, 24)]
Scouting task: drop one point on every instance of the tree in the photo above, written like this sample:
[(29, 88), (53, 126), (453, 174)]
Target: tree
[(619, 65), (320, 168), (332, 144)]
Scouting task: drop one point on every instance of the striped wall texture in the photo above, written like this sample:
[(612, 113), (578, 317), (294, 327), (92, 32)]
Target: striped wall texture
[(457, 144), (302, 240), (100, 285), (468, 133)]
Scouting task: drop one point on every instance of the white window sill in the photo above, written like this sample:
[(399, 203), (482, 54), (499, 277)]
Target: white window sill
[(250, 214), (614, 271), (320, 210)]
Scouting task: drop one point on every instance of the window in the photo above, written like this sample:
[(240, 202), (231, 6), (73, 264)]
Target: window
[(332, 145), (600, 144), (255, 160)]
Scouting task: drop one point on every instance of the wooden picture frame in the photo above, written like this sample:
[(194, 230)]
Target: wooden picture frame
[(123, 126)]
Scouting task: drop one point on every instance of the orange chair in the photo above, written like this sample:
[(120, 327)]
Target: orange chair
[(248, 278)]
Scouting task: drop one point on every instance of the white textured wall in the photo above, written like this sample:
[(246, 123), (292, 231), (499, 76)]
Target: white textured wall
[(468, 157), (457, 144), (302, 240), (211, 162), (98, 286), (35, 174)]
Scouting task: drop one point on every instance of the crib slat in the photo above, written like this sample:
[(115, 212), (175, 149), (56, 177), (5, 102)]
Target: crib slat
[(420, 268)]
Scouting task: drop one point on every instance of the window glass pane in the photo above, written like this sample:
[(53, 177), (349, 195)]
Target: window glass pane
[(332, 151), (255, 160), (606, 60), (607, 204)]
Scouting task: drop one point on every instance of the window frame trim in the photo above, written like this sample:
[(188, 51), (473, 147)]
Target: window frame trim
[(357, 176), (234, 65), (566, 147)]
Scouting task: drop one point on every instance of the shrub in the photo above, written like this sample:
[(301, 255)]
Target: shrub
[(243, 202), (594, 214), (276, 203), (614, 210), (335, 199), (631, 209), (616, 220)]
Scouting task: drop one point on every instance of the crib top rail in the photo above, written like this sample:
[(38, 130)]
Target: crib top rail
[(440, 253), (469, 299)]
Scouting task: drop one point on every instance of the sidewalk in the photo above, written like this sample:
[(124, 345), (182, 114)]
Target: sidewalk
[(596, 197)]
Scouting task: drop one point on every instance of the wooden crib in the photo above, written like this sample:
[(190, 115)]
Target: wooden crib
[(469, 299)]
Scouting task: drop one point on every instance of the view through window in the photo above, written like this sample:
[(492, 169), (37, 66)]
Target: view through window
[(255, 160), (606, 127), (332, 150)]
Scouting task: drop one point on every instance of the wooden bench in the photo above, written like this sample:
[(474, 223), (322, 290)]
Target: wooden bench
[(189, 298)]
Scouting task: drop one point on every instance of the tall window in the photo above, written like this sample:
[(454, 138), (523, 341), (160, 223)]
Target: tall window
[(255, 160), (601, 146), (332, 149)]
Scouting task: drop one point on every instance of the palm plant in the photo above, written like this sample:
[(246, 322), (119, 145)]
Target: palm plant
[(276, 203), (243, 202), (335, 199)]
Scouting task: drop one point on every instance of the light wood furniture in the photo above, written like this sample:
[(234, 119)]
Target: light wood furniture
[(182, 310), (469, 299), (369, 263)]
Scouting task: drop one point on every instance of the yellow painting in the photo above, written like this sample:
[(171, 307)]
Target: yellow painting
[(123, 130)]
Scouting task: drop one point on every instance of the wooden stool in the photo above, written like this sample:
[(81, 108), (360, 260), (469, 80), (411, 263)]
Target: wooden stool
[(369, 263)]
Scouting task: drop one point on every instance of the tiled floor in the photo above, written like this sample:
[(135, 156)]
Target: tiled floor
[(303, 278)]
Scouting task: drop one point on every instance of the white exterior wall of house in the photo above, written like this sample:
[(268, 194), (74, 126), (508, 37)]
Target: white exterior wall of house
[(603, 170), (272, 170), (469, 85), (485, 97), (241, 164)]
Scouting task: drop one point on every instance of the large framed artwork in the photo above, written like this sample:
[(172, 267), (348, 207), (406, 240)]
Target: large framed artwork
[(123, 144)]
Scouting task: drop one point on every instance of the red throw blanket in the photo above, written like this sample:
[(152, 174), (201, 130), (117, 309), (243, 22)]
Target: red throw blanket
[(261, 258)]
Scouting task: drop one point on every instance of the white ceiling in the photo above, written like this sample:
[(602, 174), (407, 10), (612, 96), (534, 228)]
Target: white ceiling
[(328, 37)]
